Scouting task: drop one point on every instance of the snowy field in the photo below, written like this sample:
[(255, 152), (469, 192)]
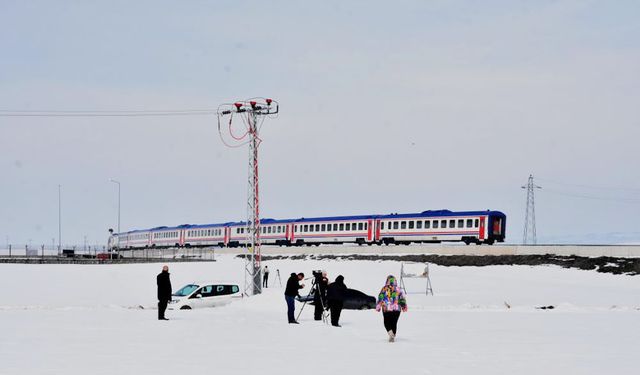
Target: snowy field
[(83, 319)]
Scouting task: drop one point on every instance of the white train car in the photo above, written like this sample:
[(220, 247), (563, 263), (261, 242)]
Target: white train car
[(442, 226)]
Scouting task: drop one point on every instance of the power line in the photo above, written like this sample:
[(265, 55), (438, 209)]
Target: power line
[(125, 113), (592, 197), (590, 186)]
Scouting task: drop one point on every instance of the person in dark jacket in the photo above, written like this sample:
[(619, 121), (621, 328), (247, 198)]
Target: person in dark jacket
[(320, 295), (290, 293), (164, 291), (265, 277), (335, 296)]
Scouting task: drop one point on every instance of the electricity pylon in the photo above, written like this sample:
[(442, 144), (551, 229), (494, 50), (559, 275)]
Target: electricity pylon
[(529, 236)]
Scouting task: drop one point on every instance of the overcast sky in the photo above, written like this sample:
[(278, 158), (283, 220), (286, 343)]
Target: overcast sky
[(386, 107)]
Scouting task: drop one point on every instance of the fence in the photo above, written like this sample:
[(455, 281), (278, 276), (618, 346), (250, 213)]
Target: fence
[(97, 251)]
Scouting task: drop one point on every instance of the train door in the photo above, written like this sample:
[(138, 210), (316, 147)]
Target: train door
[(377, 233), (371, 230), (482, 228), (290, 232), (227, 234), (181, 239)]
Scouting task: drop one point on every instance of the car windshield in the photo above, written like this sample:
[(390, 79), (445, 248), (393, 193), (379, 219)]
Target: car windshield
[(186, 290)]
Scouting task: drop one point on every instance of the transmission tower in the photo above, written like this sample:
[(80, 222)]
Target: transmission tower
[(252, 112), (529, 236)]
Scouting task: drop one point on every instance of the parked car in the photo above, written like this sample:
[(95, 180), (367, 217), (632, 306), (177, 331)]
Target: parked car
[(205, 294), (354, 300)]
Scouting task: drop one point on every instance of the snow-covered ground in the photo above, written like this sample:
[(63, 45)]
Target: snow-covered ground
[(82, 319)]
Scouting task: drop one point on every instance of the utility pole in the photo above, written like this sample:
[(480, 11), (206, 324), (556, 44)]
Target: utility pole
[(252, 112), (529, 236), (118, 182), (59, 220)]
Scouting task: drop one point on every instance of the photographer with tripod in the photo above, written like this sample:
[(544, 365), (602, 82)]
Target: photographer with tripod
[(290, 293), (320, 294)]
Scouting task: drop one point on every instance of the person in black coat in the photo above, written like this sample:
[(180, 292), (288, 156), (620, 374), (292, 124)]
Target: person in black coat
[(265, 277), (290, 293), (320, 295), (164, 291), (335, 296)]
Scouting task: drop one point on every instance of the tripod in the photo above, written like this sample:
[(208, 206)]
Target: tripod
[(278, 277), (315, 290)]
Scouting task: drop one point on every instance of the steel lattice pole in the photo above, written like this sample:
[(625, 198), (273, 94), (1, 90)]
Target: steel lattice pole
[(253, 211), (530, 213)]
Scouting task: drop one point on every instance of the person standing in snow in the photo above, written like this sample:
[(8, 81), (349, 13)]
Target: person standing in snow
[(391, 301), (265, 277), (164, 291), (290, 294), (320, 295), (335, 295)]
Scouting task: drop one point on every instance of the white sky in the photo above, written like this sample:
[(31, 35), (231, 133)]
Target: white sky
[(385, 107)]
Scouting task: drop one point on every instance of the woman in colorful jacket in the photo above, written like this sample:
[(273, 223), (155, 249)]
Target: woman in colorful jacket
[(391, 301)]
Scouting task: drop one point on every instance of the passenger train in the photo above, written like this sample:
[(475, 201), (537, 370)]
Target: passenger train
[(479, 227)]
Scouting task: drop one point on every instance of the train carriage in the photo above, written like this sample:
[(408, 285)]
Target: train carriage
[(205, 235), (442, 226), (336, 230)]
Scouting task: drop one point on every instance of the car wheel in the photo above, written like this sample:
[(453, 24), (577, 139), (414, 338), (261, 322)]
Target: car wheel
[(185, 308)]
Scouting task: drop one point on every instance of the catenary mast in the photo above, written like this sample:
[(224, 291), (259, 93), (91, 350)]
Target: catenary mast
[(252, 112)]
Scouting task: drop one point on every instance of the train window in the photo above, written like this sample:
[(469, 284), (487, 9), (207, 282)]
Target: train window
[(311, 228), (341, 226), (348, 226), (323, 227), (477, 223), (419, 224), (382, 225), (403, 225), (360, 226), (335, 227), (328, 227), (269, 229), (469, 223), (295, 228), (411, 224), (443, 223), (305, 228), (365, 226), (395, 225), (435, 224), (353, 226), (317, 227), (460, 223), (452, 223)]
